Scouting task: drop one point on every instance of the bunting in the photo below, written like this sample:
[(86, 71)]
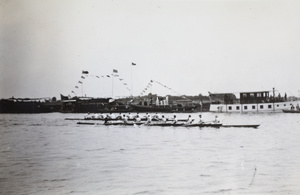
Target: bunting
[(85, 74), (149, 85)]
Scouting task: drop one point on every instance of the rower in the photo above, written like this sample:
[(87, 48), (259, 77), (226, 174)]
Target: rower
[(88, 116), (146, 116), (130, 116), (200, 119), (137, 115), (216, 120), (119, 116), (149, 119), (164, 120), (174, 119), (112, 116), (137, 119), (96, 116), (125, 118), (102, 116), (157, 116), (189, 120)]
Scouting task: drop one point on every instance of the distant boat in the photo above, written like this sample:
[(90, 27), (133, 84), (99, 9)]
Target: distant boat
[(28, 105), (166, 108), (249, 102), (291, 111), (163, 104)]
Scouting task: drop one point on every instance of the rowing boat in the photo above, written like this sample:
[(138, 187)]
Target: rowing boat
[(291, 111), (246, 126)]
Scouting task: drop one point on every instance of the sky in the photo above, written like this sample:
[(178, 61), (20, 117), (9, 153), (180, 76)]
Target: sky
[(190, 47)]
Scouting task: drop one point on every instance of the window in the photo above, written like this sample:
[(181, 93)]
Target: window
[(253, 107), (261, 107), (277, 105), (229, 108), (269, 106), (245, 107), (284, 104), (237, 108)]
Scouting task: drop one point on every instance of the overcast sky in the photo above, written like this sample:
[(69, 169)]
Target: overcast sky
[(191, 47)]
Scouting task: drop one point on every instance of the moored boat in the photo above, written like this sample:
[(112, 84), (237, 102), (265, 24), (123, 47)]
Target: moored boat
[(290, 111), (250, 102)]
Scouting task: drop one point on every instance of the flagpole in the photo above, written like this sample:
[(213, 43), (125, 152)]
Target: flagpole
[(131, 82), (112, 86)]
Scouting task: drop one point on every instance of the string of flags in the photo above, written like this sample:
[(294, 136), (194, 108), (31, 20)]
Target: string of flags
[(85, 74), (149, 85)]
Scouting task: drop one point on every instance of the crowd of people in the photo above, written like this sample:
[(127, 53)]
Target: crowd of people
[(148, 118)]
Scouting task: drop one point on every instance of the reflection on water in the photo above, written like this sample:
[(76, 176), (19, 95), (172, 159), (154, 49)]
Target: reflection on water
[(45, 154)]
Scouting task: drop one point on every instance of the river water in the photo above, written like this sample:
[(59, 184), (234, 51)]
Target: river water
[(46, 154)]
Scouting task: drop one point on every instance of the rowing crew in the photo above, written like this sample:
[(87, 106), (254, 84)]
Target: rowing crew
[(120, 116), (149, 119), (173, 120)]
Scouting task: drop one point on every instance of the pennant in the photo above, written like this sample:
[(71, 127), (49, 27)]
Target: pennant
[(133, 64), (85, 72), (80, 82), (115, 71), (97, 76), (76, 86), (82, 77), (107, 75)]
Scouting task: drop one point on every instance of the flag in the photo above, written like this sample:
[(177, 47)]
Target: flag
[(133, 64), (82, 77), (115, 71), (80, 82), (85, 72), (107, 75), (76, 86), (97, 76)]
